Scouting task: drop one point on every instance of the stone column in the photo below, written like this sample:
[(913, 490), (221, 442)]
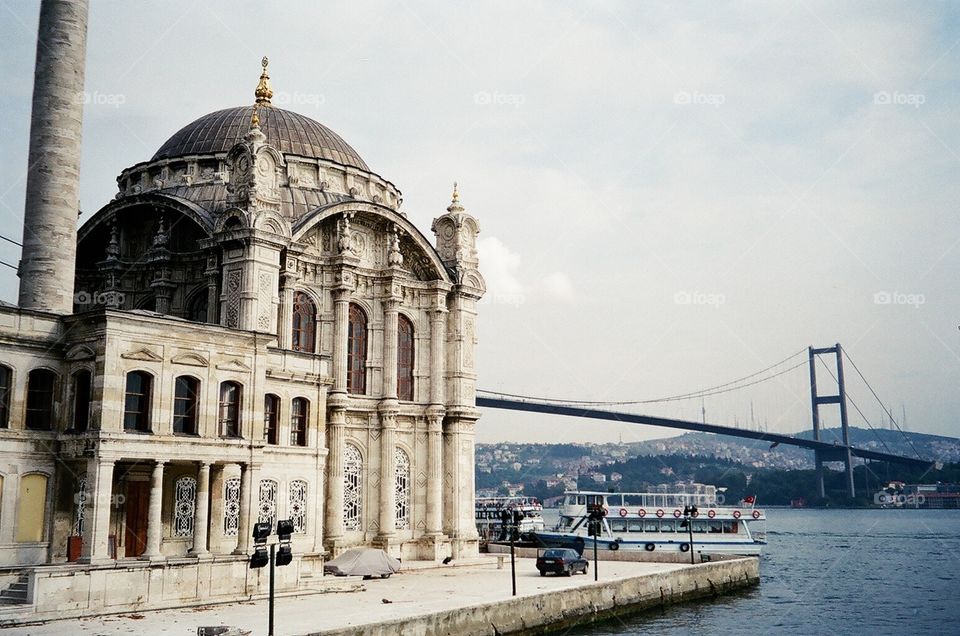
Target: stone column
[(388, 471), (438, 336), (201, 520), (246, 494), (333, 528), (53, 168), (285, 328), (390, 317), (215, 522), (96, 523), (435, 471), (154, 519), (341, 305)]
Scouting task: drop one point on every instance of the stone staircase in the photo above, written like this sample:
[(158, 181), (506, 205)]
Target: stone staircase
[(15, 593)]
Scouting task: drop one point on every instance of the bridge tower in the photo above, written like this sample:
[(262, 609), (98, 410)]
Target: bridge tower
[(842, 452)]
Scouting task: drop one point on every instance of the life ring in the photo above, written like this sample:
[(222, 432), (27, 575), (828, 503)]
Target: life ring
[(623, 512), (684, 547), (650, 547), (614, 546), (756, 514), (712, 514), (642, 512), (695, 513), (736, 514), (659, 512), (676, 514)]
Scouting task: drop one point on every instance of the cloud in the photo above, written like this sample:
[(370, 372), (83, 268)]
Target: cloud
[(557, 286), (499, 267)]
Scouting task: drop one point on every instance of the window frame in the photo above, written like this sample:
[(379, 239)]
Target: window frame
[(299, 421), (357, 342), (6, 388), (271, 419), (406, 358), (144, 421), (193, 409), (303, 323), (45, 411), (235, 407), (80, 415)]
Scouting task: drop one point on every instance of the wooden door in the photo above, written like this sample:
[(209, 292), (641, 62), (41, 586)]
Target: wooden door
[(137, 506)]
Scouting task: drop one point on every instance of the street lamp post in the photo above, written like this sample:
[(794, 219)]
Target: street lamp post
[(688, 513), (260, 557)]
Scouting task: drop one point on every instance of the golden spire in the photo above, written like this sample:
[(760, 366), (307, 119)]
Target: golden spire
[(255, 119), (456, 193), (264, 92)]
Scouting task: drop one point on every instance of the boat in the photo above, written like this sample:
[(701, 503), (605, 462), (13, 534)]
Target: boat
[(655, 522), (489, 522)]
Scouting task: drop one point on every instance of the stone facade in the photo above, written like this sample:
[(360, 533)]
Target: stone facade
[(258, 333)]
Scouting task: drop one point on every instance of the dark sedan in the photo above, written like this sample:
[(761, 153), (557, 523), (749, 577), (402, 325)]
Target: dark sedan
[(561, 561)]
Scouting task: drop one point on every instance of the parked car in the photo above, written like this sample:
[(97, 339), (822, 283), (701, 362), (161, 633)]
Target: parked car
[(561, 561)]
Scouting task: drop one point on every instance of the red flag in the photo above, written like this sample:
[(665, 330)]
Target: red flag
[(752, 499)]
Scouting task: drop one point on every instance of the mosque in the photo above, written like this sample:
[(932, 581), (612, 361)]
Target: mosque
[(251, 330)]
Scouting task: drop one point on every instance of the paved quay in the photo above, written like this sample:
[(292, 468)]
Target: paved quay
[(445, 600)]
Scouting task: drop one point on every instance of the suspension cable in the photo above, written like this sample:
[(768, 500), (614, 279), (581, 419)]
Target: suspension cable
[(854, 404), (714, 390)]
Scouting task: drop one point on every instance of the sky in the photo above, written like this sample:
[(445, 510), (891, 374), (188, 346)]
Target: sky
[(671, 195)]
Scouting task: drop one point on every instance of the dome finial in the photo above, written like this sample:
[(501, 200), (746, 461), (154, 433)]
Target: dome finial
[(456, 193), (455, 205), (264, 92)]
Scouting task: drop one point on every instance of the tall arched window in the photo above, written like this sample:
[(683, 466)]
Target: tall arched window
[(6, 382), (299, 415), (404, 358), (231, 395), (357, 351), (304, 323), (31, 508), (40, 386), (402, 484), (81, 400), (271, 418), (136, 404), (186, 397), (352, 488)]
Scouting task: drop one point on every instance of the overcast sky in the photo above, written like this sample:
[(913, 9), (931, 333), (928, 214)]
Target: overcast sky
[(671, 195)]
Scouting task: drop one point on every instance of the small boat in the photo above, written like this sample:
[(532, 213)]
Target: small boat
[(490, 525), (656, 522)]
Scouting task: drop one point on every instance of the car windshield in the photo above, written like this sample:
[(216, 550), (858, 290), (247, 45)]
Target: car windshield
[(555, 554)]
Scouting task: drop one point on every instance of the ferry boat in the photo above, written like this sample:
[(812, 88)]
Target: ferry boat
[(491, 528), (654, 522)]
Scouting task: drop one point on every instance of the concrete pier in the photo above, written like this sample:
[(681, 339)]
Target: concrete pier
[(463, 601)]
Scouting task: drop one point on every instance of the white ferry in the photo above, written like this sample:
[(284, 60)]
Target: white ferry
[(654, 522), (489, 524)]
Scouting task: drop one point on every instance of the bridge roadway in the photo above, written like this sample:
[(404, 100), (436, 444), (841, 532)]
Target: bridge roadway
[(829, 451)]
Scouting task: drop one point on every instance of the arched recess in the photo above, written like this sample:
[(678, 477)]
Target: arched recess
[(406, 339), (304, 328), (357, 338)]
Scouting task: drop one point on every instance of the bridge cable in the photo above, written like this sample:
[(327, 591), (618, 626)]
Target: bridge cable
[(714, 390), (9, 240), (854, 404), (882, 405)]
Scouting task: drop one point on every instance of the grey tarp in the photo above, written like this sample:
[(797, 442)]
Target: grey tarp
[(362, 562)]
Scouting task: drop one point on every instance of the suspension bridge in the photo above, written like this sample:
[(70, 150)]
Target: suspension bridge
[(824, 450)]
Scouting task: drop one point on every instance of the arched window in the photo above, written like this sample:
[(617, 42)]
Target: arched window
[(186, 396), (40, 386), (404, 358), (136, 405), (299, 416), (6, 382), (271, 417), (304, 323), (297, 510), (268, 502), (402, 484), (184, 506), (81, 400), (357, 351), (31, 508), (352, 488), (231, 395)]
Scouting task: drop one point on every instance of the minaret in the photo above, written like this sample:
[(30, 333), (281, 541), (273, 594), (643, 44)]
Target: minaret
[(48, 259)]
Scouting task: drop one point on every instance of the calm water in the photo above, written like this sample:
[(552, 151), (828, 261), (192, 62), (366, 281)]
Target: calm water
[(833, 572)]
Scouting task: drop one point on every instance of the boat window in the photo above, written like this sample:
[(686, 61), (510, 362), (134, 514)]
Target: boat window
[(668, 525), (715, 526), (635, 525), (618, 525), (581, 500), (651, 525), (699, 525), (730, 527)]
